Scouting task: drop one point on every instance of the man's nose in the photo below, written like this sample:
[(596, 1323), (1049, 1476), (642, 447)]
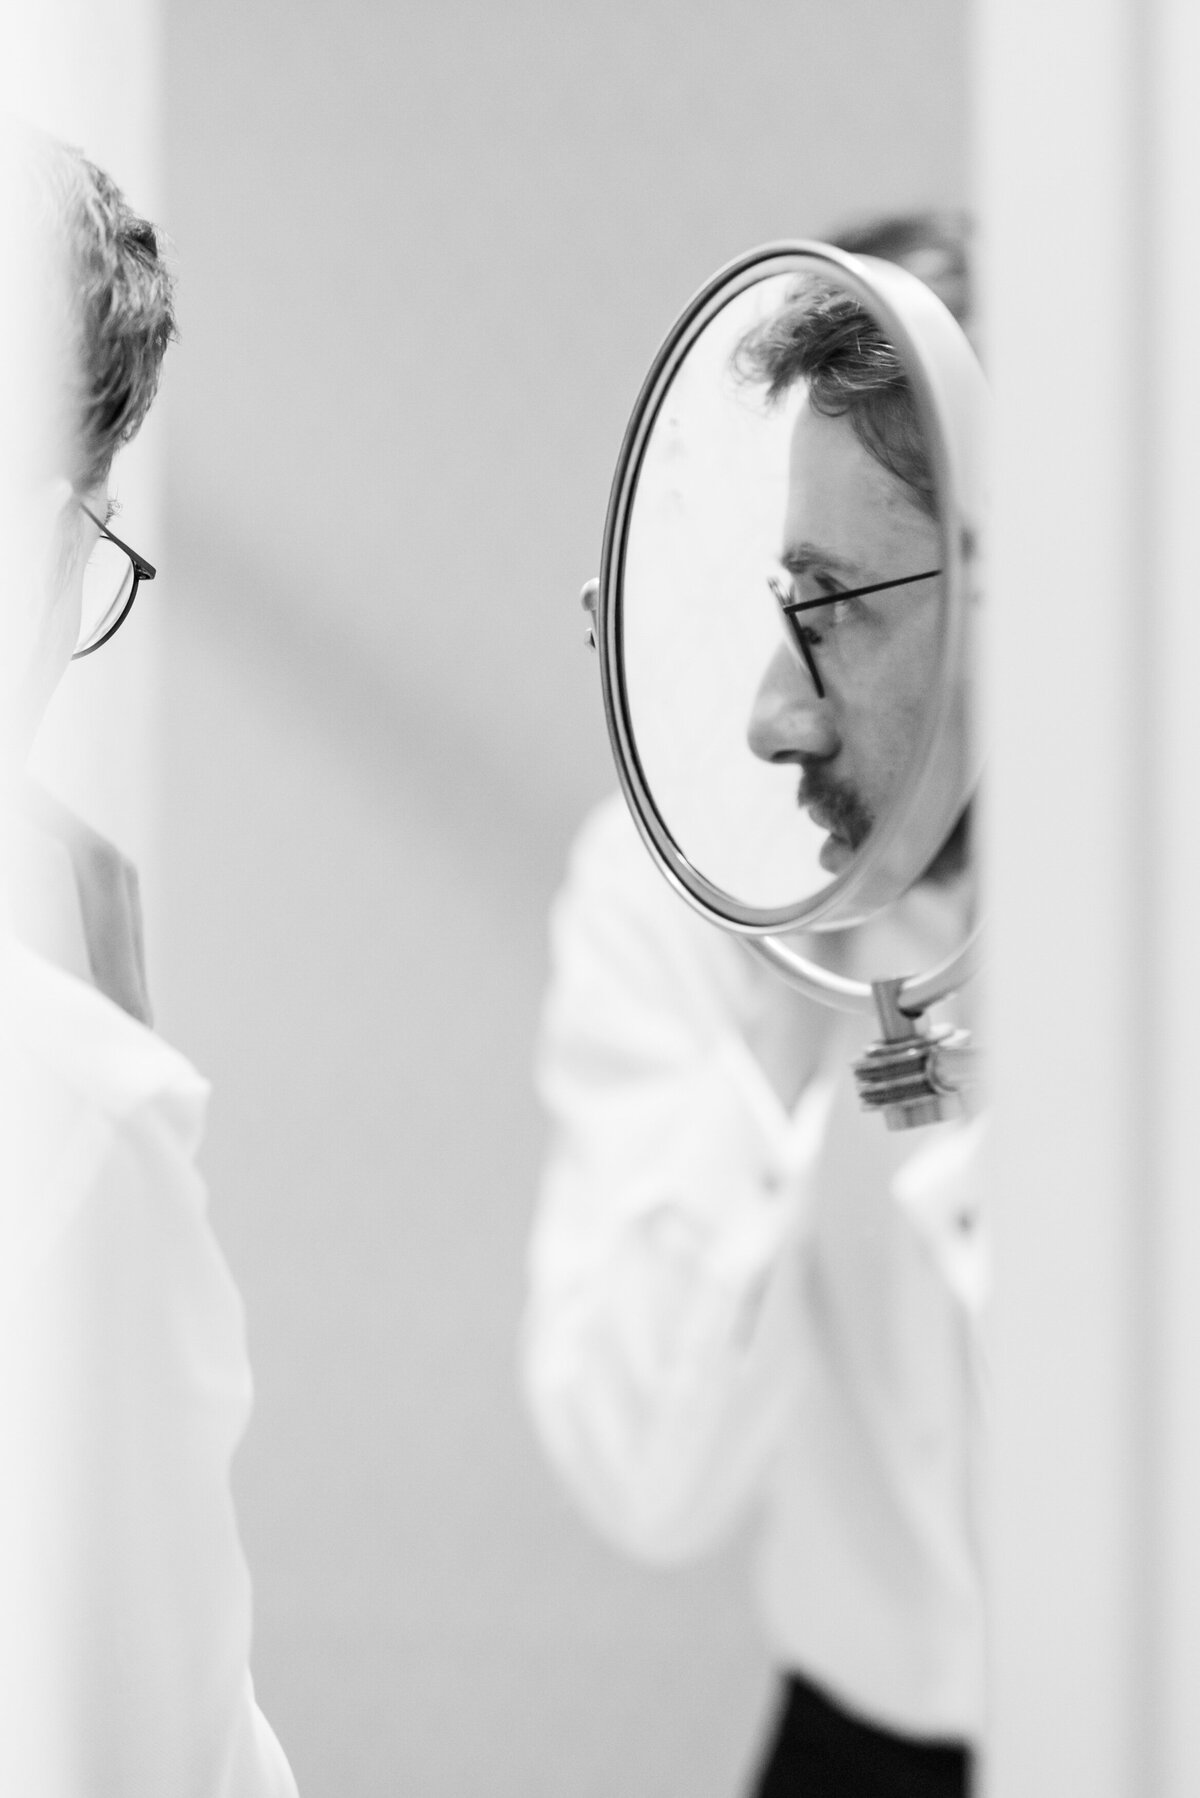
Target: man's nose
[(789, 722)]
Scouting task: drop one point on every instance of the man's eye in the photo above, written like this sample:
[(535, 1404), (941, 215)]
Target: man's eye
[(822, 606), (825, 587)]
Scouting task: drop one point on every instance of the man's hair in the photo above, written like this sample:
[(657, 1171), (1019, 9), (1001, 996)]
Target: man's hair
[(826, 338), (111, 309), (933, 245), (823, 336)]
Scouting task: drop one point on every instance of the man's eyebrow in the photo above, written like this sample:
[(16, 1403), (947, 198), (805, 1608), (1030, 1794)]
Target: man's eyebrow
[(802, 558)]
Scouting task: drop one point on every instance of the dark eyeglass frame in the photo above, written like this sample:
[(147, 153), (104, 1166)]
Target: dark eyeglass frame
[(142, 571), (790, 607)]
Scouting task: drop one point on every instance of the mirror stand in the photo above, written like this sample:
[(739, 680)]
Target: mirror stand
[(743, 611), (901, 1075), (915, 1074)]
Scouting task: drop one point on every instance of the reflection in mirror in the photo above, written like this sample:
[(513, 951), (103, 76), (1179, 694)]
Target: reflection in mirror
[(783, 595)]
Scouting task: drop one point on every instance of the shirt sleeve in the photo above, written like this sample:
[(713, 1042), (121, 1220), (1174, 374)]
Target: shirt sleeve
[(660, 1347), (124, 1390)]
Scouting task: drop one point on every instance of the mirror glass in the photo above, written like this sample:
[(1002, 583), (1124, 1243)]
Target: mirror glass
[(700, 622), (781, 597)]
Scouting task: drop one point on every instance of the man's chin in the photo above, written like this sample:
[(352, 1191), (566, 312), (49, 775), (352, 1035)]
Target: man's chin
[(835, 855)]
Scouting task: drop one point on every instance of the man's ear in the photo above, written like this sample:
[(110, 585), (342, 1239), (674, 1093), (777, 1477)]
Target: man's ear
[(51, 531), (48, 502), (41, 535), (61, 525), (40, 611)]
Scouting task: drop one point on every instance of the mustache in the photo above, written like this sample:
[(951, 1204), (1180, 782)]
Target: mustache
[(843, 809)]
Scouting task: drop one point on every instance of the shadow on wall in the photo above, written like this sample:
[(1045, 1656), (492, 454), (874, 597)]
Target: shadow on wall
[(428, 253), (359, 900)]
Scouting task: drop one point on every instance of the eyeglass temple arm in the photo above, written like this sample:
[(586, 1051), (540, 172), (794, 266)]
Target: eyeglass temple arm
[(144, 570), (812, 605)]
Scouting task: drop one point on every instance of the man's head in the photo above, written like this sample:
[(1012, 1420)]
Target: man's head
[(845, 696), (97, 311), (934, 245)]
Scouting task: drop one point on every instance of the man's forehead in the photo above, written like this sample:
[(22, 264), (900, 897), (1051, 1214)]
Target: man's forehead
[(844, 510)]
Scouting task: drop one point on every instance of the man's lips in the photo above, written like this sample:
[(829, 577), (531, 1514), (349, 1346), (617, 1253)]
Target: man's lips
[(834, 806), (821, 818), (820, 810)]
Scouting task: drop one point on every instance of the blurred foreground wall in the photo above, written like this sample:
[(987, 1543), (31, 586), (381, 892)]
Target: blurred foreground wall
[(427, 252)]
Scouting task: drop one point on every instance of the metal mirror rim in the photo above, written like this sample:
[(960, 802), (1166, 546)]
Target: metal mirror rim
[(838, 894), (917, 991)]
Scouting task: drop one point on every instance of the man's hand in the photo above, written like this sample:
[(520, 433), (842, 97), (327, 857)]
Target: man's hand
[(110, 905)]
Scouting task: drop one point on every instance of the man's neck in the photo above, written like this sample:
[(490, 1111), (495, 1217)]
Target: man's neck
[(954, 857)]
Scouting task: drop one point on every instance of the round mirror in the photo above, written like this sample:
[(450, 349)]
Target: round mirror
[(784, 610)]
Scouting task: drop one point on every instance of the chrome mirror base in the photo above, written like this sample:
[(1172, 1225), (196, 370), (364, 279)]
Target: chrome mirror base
[(905, 1075), (915, 1074)]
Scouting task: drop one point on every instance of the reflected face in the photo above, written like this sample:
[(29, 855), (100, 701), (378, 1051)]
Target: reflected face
[(849, 524)]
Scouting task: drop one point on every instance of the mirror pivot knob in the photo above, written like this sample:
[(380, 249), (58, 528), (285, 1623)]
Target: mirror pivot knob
[(899, 1074), (589, 599)]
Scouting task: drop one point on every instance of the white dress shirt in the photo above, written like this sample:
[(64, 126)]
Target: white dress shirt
[(731, 1305), (124, 1390)]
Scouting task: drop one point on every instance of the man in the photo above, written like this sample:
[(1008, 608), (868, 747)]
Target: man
[(862, 554), (124, 1386), (743, 1292)]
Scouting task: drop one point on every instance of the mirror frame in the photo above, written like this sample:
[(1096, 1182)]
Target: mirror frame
[(950, 400)]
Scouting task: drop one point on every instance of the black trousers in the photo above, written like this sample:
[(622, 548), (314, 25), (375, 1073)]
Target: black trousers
[(818, 1750)]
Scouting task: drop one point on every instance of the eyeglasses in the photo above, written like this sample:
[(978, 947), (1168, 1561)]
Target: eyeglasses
[(807, 635), (110, 584)]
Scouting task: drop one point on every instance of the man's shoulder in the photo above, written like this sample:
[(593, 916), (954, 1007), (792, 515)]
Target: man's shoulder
[(87, 1096), (72, 1041), (607, 846), (612, 882), (618, 925)]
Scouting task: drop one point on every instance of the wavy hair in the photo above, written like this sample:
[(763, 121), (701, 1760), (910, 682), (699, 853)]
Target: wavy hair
[(825, 337), (110, 302)]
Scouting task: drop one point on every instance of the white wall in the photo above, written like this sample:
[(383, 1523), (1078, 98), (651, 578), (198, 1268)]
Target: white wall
[(1091, 193), (427, 252)]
